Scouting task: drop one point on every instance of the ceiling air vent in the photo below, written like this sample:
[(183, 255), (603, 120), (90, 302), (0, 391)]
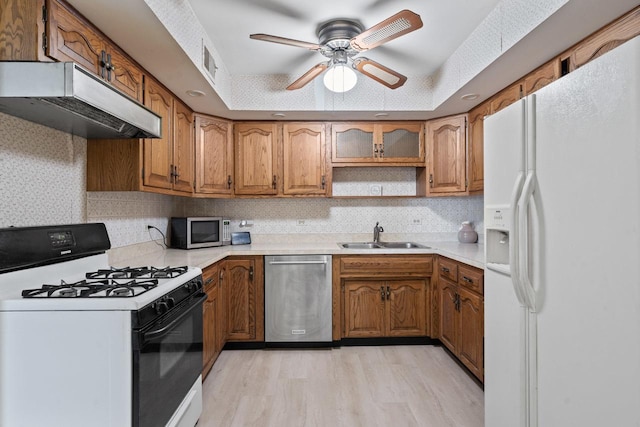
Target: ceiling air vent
[(208, 63)]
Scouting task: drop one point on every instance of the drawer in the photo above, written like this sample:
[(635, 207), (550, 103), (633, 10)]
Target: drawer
[(448, 269), (387, 266), (471, 278), (210, 277)]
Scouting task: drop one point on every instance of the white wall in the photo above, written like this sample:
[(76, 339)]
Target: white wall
[(42, 182)]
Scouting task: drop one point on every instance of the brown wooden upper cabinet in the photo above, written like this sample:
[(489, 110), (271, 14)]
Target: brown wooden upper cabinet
[(304, 159), (446, 156), (44, 30), (475, 147), (256, 154), (365, 144), (214, 156), (168, 161), (160, 165), (72, 38)]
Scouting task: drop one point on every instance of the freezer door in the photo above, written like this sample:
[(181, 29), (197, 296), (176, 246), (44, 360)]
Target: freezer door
[(586, 257)]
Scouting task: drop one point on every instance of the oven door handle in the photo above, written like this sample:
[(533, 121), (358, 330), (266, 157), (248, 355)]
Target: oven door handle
[(147, 336)]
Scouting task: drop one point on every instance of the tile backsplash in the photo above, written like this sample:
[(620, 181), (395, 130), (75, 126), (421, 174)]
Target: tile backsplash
[(43, 174), (326, 216)]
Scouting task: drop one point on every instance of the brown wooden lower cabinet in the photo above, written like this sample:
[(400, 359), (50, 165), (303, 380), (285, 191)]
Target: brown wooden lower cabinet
[(382, 296), (210, 318), (460, 313), (244, 287)]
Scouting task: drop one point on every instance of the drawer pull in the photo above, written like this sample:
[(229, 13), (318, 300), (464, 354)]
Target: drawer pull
[(208, 281), (466, 279), (445, 269)]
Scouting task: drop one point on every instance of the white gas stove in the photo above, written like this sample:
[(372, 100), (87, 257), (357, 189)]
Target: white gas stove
[(82, 343)]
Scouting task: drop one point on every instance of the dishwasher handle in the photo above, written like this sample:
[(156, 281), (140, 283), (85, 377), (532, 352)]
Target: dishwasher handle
[(296, 262)]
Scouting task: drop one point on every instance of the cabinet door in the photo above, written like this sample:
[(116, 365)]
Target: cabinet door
[(245, 288), (446, 144), (475, 147), (183, 149), (364, 306), (401, 142), (448, 314), (209, 318), (406, 308), (223, 304), (541, 77), (256, 163), (470, 332), (214, 156), (158, 151), (71, 39), (507, 97), (353, 143), (209, 342), (125, 75), (304, 160)]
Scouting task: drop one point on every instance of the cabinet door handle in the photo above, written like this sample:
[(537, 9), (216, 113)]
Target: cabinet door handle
[(109, 67), (103, 63), (388, 292), (467, 279), (251, 273), (445, 269), (375, 150), (382, 293), (229, 181), (457, 302), (175, 174), (381, 151), (221, 276), (273, 183), (323, 182), (431, 179)]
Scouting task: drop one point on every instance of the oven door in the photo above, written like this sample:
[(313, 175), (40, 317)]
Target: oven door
[(167, 360)]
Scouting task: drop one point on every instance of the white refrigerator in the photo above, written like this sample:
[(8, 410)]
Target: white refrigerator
[(562, 224)]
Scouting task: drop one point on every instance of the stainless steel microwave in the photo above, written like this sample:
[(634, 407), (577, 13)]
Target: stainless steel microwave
[(199, 232)]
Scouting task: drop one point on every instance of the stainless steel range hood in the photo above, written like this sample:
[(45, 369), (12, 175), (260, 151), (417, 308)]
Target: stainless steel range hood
[(63, 96)]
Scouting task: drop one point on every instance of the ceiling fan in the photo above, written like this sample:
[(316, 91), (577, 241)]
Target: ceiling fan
[(341, 40)]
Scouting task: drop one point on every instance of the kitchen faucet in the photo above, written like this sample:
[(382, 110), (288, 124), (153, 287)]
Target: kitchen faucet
[(376, 232)]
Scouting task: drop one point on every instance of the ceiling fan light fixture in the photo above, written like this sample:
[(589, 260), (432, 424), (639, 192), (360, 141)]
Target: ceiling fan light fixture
[(340, 78)]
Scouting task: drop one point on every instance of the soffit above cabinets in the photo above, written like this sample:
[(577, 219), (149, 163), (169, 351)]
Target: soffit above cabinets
[(463, 47)]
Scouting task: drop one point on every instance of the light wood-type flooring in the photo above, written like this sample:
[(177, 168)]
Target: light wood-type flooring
[(395, 386)]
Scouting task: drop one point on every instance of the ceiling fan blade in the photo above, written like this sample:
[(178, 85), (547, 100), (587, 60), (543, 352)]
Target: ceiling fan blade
[(393, 27), (314, 72), (379, 73), (284, 40)]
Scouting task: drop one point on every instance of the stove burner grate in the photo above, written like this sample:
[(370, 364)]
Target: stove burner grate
[(137, 273), (103, 288)]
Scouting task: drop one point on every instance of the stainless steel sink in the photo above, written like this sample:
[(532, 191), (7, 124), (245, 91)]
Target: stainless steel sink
[(359, 245), (381, 245), (402, 245)]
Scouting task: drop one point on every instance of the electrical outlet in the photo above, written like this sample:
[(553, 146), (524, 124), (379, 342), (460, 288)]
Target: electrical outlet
[(417, 221), (375, 190), (301, 223)]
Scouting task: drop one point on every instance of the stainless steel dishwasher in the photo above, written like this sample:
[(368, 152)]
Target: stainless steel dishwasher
[(297, 298)]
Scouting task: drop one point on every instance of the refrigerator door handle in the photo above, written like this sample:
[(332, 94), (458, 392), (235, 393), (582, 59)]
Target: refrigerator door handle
[(523, 241), (514, 255)]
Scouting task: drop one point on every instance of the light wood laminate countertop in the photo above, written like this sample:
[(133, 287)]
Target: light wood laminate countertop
[(467, 253)]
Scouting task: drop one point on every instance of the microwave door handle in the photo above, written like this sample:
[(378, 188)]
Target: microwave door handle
[(147, 336)]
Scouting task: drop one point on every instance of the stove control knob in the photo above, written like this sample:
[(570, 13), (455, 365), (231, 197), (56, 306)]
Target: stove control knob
[(162, 307), (171, 302)]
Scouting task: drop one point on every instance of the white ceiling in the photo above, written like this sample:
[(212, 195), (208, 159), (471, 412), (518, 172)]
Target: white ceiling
[(229, 22), (260, 71)]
